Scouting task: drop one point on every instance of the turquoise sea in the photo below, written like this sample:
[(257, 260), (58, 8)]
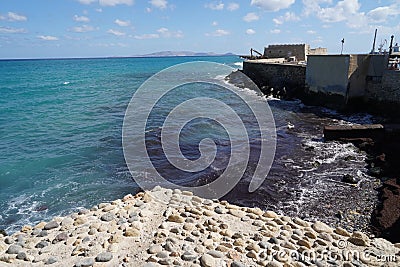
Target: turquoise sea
[(61, 149), (60, 132)]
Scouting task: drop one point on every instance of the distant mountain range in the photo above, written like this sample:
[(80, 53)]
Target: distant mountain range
[(184, 54)]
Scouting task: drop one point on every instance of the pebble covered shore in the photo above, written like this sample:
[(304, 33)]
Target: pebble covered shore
[(171, 227)]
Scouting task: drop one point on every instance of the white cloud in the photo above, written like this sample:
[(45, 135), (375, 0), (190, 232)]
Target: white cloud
[(81, 18), (83, 28), (251, 17), (122, 23), (161, 4), (47, 38), (11, 30), (108, 2), (288, 16), (275, 31), (250, 31), (348, 11), (342, 11), (166, 33), (11, 16), (115, 32), (99, 10), (233, 6), (148, 9), (147, 36), (311, 32), (218, 33), (214, 23), (215, 6), (272, 5), (313, 6), (381, 14)]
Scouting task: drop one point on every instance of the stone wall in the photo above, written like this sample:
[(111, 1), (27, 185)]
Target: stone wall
[(383, 93), (391, 86), (278, 76), (317, 51), (296, 50)]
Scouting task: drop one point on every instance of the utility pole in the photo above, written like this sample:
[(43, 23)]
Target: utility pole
[(391, 45), (341, 52), (373, 46)]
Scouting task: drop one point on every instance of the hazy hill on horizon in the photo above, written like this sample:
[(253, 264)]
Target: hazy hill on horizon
[(183, 54)]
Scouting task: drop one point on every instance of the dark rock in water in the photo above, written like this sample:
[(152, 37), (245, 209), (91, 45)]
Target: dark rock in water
[(375, 171), (42, 208), (349, 158), (380, 159), (350, 179), (3, 232), (309, 148), (339, 215)]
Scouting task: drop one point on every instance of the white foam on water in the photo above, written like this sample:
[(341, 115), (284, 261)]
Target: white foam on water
[(239, 64), (66, 83), (330, 152)]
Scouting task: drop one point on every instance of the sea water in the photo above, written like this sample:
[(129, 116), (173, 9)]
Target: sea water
[(61, 150)]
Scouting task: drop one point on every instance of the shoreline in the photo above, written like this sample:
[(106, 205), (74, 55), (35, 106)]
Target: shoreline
[(171, 227)]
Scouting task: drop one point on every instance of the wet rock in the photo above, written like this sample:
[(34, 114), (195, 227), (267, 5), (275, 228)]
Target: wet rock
[(350, 179), (3, 232), (375, 171)]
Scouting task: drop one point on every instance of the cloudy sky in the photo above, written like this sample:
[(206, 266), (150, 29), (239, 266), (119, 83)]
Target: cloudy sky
[(95, 28)]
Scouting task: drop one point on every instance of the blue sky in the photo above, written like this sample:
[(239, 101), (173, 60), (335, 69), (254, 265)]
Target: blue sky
[(96, 28)]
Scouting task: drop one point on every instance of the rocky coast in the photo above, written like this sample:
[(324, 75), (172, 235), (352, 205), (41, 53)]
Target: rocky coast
[(176, 228)]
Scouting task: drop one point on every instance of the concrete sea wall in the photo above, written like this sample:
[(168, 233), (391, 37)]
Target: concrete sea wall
[(351, 82), (277, 76)]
